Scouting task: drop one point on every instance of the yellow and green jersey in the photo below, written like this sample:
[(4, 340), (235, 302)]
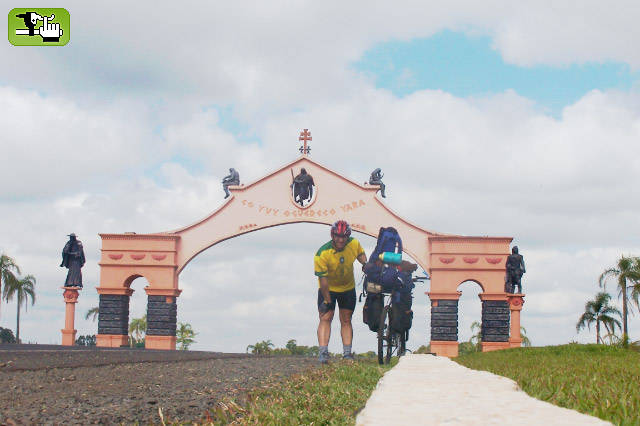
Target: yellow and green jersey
[(337, 266)]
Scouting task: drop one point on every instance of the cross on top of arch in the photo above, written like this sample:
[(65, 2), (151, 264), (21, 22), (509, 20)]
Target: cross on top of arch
[(305, 136)]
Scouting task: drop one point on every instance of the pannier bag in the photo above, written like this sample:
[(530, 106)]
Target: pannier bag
[(372, 310), (402, 315)]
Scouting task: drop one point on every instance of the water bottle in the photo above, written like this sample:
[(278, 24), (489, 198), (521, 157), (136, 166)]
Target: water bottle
[(389, 257)]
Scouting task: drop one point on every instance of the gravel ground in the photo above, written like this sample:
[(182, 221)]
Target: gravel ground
[(51, 385)]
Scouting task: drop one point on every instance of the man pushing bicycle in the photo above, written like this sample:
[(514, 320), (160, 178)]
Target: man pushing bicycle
[(333, 265)]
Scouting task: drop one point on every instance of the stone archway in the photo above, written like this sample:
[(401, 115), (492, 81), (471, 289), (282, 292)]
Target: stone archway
[(265, 203)]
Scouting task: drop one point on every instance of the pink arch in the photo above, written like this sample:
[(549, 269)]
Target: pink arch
[(267, 202)]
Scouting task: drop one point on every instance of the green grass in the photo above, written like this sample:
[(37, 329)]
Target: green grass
[(598, 380), (329, 395)]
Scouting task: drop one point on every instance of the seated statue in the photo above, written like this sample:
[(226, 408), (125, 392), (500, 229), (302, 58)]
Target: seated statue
[(376, 179), (232, 179)]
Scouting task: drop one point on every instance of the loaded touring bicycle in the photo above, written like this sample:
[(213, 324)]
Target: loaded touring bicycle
[(388, 286)]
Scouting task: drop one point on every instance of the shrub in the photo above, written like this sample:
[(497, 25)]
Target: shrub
[(6, 336)]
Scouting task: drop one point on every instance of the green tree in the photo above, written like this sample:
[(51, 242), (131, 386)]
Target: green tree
[(292, 346), (311, 350), (599, 311), (92, 313), (88, 340), (260, 348), (526, 342), (626, 271), (6, 336), (23, 289), (185, 335), (423, 350), (476, 334), (294, 349), (137, 330), (8, 271), (466, 348)]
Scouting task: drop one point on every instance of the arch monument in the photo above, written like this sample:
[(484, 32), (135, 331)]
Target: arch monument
[(269, 201)]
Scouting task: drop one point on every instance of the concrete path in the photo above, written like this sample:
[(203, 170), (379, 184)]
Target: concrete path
[(430, 390)]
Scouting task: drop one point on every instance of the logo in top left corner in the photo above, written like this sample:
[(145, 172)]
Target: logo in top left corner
[(39, 26)]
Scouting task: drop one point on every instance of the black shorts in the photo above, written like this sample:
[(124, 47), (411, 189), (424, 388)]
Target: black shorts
[(345, 299)]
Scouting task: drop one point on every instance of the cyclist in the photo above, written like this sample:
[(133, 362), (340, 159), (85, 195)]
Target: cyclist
[(333, 265)]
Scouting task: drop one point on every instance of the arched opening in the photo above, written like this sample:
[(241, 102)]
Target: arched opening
[(137, 310), (469, 316), (248, 290)]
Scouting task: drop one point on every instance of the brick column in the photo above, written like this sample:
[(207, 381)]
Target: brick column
[(70, 299), (162, 312), (444, 323), (515, 305), (495, 321), (113, 317)]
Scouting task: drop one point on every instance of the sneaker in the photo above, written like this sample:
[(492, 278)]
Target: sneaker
[(349, 357), (323, 358)]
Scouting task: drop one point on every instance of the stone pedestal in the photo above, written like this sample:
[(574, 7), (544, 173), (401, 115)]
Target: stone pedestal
[(495, 321), (161, 318), (515, 305), (70, 295), (444, 323), (113, 317)]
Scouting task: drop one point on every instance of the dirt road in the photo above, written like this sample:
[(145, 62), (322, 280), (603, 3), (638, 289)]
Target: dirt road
[(50, 384)]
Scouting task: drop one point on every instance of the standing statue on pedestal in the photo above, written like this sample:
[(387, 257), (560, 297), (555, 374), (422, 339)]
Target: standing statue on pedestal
[(232, 179), (73, 259), (302, 187), (515, 270), (376, 179)]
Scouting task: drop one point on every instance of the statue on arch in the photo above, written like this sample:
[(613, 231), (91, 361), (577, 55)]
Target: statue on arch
[(376, 179), (232, 179), (302, 187), (73, 259), (515, 270)]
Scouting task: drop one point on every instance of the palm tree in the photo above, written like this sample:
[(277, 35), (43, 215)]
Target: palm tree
[(185, 335), (263, 347), (526, 342), (92, 313), (22, 288), (8, 269), (599, 311), (626, 271), (476, 338), (137, 329)]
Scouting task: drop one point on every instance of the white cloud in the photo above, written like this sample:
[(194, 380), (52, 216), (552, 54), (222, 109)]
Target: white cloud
[(55, 146), (109, 140)]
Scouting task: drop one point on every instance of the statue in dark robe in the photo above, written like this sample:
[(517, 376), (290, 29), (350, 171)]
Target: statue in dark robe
[(376, 179), (515, 270), (73, 259), (302, 187), (232, 179)]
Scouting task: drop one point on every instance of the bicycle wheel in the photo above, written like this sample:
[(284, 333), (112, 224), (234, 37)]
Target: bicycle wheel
[(383, 334), (402, 343), (391, 338)]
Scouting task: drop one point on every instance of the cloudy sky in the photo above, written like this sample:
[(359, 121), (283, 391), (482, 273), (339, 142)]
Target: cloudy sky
[(488, 118)]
